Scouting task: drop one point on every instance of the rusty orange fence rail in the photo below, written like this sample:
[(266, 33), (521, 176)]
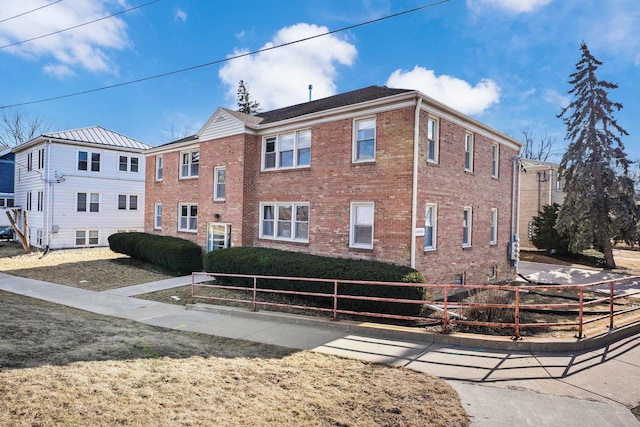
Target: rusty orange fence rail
[(446, 305)]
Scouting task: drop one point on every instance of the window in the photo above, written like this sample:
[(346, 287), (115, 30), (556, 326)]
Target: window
[(40, 201), (6, 202), (93, 200), (364, 147), (558, 182), (433, 129), (361, 230), (493, 230), (83, 161), (39, 237), (157, 217), (133, 203), (123, 163), (81, 237), (159, 168), (189, 164), (219, 182), (41, 158), (122, 202), (430, 226), (466, 227), (28, 200), (289, 150), (133, 164), (495, 160), (188, 217), (284, 221), (29, 161), (468, 152)]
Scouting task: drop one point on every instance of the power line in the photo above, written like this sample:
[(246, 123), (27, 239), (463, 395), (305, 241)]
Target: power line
[(230, 58), (30, 11), (78, 26)]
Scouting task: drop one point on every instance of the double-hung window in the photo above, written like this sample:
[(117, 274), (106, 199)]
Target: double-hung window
[(364, 140), (495, 160), (361, 229), (468, 152), (219, 183), (90, 199), (189, 164), (88, 161), (40, 201), (29, 161), (122, 202), (159, 168), (188, 217), (467, 217), (81, 237), (430, 227), (126, 163), (287, 150), (493, 229), (433, 142), (157, 217), (29, 197), (284, 221)]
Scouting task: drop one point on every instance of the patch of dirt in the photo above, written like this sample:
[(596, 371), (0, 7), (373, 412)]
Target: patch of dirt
[(636, 412)]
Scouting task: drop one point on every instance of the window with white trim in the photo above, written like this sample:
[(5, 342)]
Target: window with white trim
[(30, 161), (29, 197), (188, 217), (287, 150), (88, 161), (467, 218), (430, 226), (219, 183), (87, 237), (128, 164), (493, 229), (433, 139), (361, 229), (189, 164), (157, 216), (468, 152), (364, 140), (159, 168), (122, 202), (40, 201), (41, 158), (284, 221), (495, 160), (90, 199)]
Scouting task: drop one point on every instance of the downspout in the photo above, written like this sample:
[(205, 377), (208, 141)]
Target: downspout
[(48, 212), (414, 200)]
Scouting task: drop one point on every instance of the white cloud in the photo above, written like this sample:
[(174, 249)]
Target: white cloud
[(556, 98), (281, 76), (514, 6), (449, 90), (58, 70), (84, 47), (180, 15)]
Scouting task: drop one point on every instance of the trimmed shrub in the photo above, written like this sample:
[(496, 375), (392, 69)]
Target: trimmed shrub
[(176, 255), (274, 262)]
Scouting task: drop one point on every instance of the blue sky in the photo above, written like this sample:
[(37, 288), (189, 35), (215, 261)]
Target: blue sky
[(504, 62)]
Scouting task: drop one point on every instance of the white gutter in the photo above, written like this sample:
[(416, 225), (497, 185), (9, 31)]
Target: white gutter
[(414, 198)]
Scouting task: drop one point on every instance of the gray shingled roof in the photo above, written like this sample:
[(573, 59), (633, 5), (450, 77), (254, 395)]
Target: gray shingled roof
[(349, 98), (98, 135)]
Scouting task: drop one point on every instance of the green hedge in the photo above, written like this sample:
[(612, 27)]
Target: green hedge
[(273, 262), (176, 255)]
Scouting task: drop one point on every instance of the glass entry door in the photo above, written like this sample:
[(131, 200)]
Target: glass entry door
[(218, 235)]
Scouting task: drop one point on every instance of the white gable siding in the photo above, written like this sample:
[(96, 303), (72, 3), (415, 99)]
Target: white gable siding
[(220, 126)]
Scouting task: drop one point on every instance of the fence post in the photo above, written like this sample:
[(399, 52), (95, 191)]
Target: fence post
[(335, 300), (445, 313), (255, 293), (611, 290), (517, 316), (581, 313)]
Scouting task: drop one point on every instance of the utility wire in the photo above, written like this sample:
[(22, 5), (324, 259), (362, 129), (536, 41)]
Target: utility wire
[(227, 59), (78, 26), (30, 11)]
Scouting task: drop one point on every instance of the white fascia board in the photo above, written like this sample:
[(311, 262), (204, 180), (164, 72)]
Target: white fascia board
[(182, 146)]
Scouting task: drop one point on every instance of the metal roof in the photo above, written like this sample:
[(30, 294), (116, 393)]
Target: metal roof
[(98, 135)]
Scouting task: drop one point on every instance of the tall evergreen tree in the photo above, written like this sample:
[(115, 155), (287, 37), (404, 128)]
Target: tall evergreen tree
[(599, 206), (245, 104)]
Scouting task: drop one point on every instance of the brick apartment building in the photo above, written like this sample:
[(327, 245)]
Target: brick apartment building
[(540, 186), (376, 173)]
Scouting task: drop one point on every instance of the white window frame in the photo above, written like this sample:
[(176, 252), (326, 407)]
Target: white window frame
[(190, 169), (356, 157), (301, 143), (467, 226), (41, 158), (128, 198), (40, 201), (90, 162), (433, 139), (90, 200), (354, 224), (30, 161), (277, 224), (89, 235), (493, 227), (29, 200), (189, 228), (495, 160), (468, 151), (159, 168), (217, 184), (431, 226), (157, 216)]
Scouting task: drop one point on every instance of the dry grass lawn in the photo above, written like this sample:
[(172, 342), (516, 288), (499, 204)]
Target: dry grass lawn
[(62, 366)]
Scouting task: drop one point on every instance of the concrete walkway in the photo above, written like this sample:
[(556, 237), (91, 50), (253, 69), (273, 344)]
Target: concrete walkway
[(496, 387)]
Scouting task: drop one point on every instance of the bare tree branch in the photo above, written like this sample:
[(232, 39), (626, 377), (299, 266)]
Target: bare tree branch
[(19, 127)]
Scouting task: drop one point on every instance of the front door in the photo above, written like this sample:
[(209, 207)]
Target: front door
[(218, 236)]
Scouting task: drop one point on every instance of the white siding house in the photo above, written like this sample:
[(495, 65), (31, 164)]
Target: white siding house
[(80, 186)]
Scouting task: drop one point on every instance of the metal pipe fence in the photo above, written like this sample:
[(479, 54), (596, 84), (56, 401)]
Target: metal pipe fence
[(445, 305)]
